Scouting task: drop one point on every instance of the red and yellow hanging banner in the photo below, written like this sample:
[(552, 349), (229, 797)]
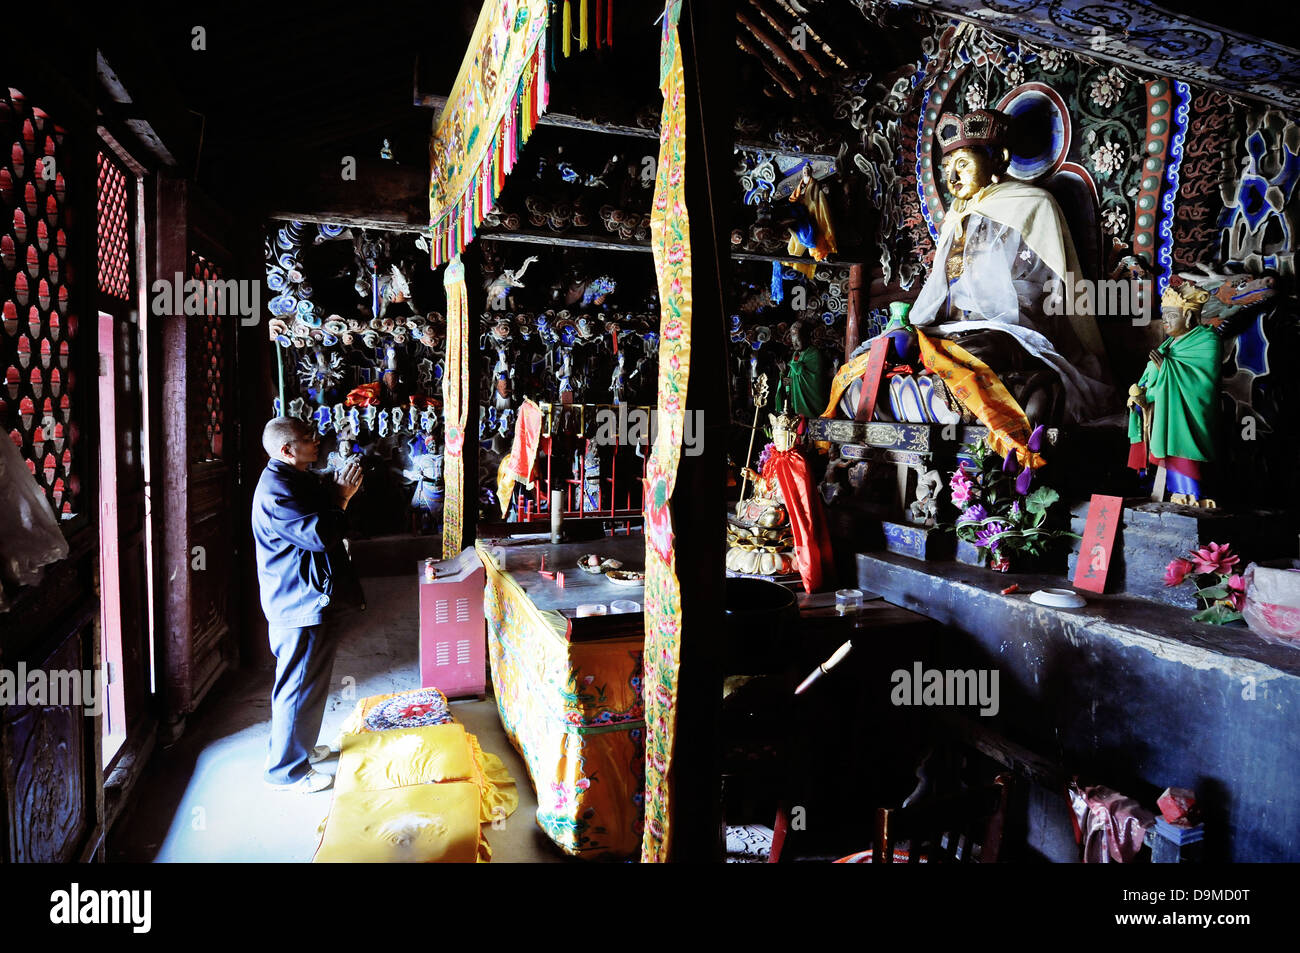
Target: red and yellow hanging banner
[(670, 241), (455, 409), (499, 94)]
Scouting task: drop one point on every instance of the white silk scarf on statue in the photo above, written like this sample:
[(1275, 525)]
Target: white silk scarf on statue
[(1016, 242)]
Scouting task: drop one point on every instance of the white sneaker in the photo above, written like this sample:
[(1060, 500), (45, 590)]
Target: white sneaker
[(321, 753), (311, 783)]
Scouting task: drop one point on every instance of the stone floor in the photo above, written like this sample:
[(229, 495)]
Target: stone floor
[(203, 800)]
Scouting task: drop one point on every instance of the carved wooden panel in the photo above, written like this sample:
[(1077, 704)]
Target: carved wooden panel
[(39, 344), (44, 768), (211, 533), (209, 352), (210, 381), (115, 224)]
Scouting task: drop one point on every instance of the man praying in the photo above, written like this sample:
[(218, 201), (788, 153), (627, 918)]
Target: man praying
[(307, 583)]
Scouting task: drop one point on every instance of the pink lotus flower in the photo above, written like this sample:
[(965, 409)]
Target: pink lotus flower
[(1214, 558), (1177, 571), (1236, 591), (961, 486)]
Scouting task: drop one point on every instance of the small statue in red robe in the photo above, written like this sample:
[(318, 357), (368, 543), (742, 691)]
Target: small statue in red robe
[(782, 525)]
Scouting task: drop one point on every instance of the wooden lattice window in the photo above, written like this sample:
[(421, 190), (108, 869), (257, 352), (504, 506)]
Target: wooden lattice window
[(39, 335), (213, 360), (114, 229)]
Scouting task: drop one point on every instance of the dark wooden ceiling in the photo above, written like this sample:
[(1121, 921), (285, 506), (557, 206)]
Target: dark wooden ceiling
[(276, 81)]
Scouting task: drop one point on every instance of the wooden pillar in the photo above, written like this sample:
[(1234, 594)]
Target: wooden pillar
[(171, 255), (853, 325), (707, 31)]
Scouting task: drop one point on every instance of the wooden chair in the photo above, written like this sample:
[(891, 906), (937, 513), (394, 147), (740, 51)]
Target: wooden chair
[(963, 828)]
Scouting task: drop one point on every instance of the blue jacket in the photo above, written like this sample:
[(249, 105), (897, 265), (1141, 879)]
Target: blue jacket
[(298, 530)]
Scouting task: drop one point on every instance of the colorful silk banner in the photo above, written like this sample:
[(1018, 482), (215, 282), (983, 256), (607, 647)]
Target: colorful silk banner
[(670, 241), (455, 409), (498, 96)]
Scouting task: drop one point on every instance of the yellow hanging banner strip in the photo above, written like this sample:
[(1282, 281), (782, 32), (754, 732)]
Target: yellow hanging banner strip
[(670, 240), (455, 409)]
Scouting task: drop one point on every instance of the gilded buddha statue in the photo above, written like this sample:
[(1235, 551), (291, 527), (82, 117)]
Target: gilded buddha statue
[(1003, 246)]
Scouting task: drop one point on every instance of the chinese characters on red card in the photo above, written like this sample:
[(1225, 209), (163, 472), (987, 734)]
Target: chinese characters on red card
[(1104, 514)]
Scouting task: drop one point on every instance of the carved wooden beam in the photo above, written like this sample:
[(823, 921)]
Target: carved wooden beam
[(774, 45), (563, 121), (562, 241), (813, 33), (757, 52), (787, 31), (383, 194)]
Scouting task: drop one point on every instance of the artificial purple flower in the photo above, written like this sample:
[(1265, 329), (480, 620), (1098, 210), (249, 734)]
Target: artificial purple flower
[(1036, 439), (1015, 510), (1009, 462), (1024, 480), (985, 536), (973, 514)]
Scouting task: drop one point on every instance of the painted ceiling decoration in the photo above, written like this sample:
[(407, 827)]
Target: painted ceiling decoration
[(1145, 38)]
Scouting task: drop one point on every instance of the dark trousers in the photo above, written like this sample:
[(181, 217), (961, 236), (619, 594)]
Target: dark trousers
[(304, 659)]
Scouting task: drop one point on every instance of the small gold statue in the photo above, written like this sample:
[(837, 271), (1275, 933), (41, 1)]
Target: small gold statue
[(781, 528), (760, 541)]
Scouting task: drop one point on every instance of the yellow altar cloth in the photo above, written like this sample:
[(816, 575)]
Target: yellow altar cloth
[(574, 711)]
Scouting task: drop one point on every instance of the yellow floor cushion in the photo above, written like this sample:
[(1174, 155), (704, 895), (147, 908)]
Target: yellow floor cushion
[(378, 760), (421, 823)]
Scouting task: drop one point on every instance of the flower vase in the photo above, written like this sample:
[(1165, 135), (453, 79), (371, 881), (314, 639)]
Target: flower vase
[(970, 554)]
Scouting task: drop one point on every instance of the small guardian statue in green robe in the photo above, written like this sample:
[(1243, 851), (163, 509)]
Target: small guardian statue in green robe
[(1173, 406), (806, 383)]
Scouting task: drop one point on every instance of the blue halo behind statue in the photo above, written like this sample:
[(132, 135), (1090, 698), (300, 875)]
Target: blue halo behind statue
[(1040, 131)]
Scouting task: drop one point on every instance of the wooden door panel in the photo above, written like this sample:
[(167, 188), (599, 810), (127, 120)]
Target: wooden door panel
[(45, 770)]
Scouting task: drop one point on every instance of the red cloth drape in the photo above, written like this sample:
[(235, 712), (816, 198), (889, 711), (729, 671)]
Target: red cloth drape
[(523, 454), (812, 540)]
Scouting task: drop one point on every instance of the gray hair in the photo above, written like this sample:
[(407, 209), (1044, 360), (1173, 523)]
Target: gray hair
[(278, 432)]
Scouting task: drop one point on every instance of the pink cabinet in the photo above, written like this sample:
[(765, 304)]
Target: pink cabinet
[(452, 628)]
